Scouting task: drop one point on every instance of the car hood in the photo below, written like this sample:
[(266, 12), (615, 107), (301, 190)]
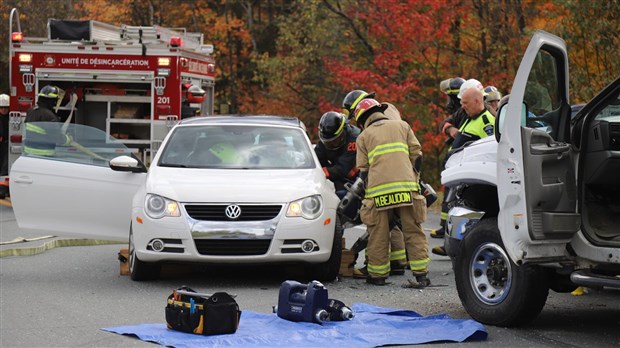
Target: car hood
[(213, 185), (476, 163)]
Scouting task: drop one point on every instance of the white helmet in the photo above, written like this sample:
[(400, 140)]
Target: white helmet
[(5, 101), (469, 84)]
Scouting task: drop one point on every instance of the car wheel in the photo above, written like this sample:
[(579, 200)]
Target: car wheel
[(491, 287), (328, 271), (140, 270)]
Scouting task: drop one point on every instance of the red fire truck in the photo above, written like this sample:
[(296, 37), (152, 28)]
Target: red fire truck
[(130, 81)]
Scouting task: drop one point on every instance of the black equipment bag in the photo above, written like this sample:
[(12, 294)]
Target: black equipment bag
[(202, 314)]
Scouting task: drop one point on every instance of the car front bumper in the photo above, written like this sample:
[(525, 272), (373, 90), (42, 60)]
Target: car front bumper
[(280, 240)]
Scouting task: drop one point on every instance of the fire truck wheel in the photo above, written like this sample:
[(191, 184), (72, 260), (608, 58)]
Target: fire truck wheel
[(328, 271), (140, 270)]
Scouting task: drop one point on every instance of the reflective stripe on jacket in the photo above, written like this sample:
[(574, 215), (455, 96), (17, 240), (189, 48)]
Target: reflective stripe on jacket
[(387, 150)]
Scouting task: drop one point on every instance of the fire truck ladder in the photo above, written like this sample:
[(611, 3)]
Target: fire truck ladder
[(160, 34)]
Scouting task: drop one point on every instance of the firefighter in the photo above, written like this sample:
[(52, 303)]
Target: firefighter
[(389, 156), (398, 255), (450, 87), (336, 152), (491, 99), (41, 139), (350, 101), (336, 149), (191, 94), (4, 134)]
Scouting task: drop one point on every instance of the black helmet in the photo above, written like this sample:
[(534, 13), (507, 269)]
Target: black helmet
[(455, 85), (50, 92), (331, 130), (352, 99)]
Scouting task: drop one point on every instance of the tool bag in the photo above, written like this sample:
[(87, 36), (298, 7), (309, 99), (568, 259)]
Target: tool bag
[(202, 314)]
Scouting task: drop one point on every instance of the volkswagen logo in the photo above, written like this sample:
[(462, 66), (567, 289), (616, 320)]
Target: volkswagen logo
[(233, 211)]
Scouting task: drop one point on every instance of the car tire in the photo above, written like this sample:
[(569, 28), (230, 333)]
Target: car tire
[(328, 271), (139, 270), (492, 288)]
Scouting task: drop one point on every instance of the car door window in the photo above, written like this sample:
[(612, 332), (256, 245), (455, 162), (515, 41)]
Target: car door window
[(77, 144), (542, 95)]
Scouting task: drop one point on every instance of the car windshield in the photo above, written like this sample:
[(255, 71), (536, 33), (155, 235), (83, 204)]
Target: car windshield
[(237, 147)]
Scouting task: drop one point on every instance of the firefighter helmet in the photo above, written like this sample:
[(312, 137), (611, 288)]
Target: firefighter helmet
[(332, 130), (5, 101), (451, 86), (50, 92), (365, 108), (352, 99), (194, 93), (491, 94)]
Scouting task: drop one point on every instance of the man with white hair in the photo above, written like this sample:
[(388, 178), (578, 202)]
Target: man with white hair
[(479, 124), (450, 127)]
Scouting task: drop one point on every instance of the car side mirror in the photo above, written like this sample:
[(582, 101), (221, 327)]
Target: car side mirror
[(127, 164)]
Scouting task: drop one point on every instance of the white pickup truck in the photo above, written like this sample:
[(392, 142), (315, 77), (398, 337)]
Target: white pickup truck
[(536, 207)]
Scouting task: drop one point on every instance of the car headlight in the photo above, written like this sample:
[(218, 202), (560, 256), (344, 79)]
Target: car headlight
[(157, 207), (309, 208)]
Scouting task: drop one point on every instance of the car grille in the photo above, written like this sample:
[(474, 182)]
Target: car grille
[(217, 212), (235, 247)]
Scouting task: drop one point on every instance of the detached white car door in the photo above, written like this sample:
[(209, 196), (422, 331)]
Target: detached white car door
[(536, 175), (73, 192)]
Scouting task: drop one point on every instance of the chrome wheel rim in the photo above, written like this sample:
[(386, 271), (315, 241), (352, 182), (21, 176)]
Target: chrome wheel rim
[(490, 274)]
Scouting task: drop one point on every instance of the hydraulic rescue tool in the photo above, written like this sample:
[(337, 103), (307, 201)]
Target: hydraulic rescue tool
[(309, 303)]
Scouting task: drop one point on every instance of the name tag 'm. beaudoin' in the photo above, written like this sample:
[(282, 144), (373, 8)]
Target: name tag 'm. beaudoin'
[(392, 199)]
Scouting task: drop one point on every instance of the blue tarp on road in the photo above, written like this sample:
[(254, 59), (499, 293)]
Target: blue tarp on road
[(372, 326)]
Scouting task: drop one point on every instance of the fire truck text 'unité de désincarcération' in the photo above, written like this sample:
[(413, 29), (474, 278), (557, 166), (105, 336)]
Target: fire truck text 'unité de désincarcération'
[(129, 81)]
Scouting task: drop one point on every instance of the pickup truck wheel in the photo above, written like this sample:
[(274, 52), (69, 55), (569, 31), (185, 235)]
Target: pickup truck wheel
[(328, 271), (139, 270), (491, 287)]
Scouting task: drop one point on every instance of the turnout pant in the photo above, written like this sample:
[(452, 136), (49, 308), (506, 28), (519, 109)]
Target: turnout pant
[(416, 245)]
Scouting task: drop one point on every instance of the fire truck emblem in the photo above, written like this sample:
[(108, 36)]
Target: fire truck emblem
[(49, 60)]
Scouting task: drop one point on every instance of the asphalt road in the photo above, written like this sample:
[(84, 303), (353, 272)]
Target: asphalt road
[(64, 296)]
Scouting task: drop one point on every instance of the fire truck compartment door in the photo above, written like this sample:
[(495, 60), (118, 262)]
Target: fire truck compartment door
[(72, 193), (93, 75)]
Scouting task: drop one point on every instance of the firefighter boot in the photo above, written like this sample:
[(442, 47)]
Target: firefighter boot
[(440, 233), (360, 273), (439, 250), (377, 281), (421, 280), (397, 268)]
